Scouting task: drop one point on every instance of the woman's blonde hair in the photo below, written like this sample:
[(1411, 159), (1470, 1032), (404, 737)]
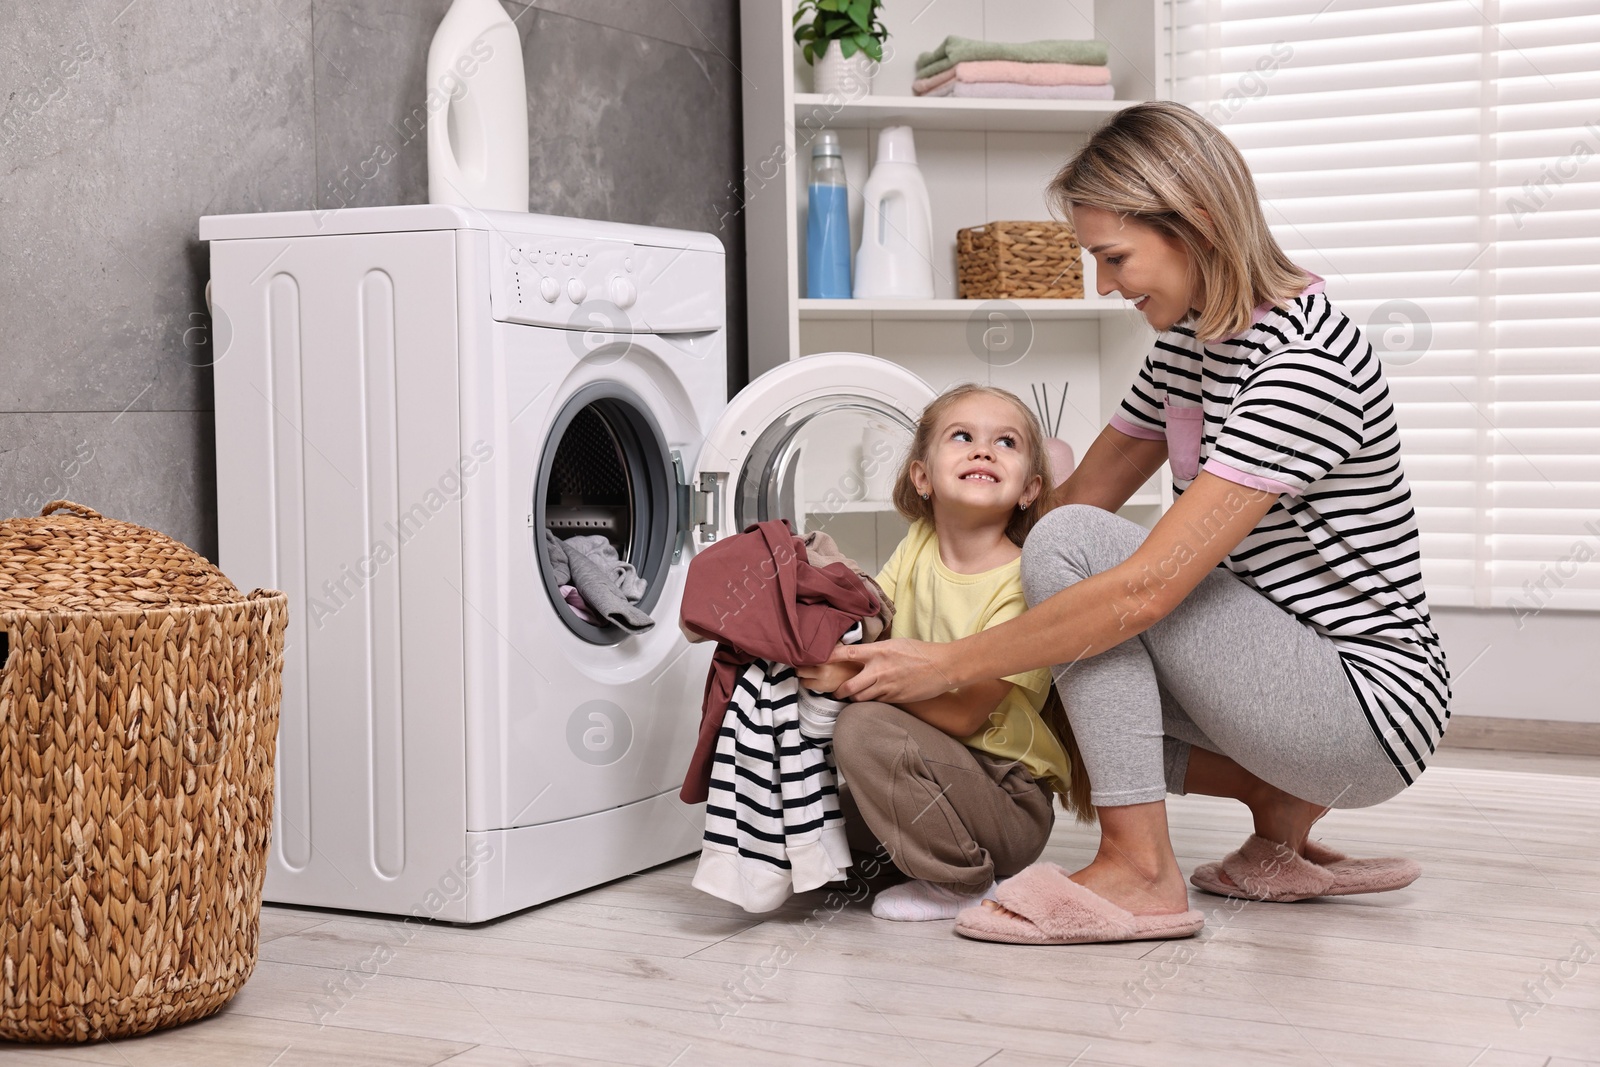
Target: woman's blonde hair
[(1169, 168), (910, 504)]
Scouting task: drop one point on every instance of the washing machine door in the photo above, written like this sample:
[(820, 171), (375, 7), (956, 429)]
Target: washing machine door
[(819, 442)]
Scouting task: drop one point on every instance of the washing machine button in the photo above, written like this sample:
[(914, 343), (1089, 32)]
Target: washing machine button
[(623, 294), (549, 289), (577, 291)]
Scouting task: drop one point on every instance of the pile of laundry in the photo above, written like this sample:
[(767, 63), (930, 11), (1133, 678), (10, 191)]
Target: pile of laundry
[(1042, 70), (764, 761), (599, 586)]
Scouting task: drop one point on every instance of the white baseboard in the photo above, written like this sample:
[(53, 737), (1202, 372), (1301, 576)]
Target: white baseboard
[(1523, 735), (1544, 668)]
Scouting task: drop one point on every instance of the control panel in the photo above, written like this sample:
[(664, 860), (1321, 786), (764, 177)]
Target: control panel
[(546, 281), (576, 284)]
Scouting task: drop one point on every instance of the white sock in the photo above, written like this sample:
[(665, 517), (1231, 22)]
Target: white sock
[(918, 901)]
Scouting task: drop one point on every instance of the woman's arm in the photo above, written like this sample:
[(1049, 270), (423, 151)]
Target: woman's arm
[(1208, 521), (1113, 469), (959, 712)]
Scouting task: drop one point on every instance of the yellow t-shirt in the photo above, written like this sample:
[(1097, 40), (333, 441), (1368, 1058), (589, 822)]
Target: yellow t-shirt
[(934, 603)]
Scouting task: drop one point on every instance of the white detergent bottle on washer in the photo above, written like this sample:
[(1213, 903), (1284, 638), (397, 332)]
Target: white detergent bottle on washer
[(895, 260), (477, 110)]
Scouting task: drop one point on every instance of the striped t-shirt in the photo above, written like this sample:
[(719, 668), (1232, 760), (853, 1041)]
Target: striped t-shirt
[(1297, 404)]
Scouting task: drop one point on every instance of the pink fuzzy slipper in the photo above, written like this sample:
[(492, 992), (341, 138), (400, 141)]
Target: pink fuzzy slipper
[(1266, 870), (1049, 908)]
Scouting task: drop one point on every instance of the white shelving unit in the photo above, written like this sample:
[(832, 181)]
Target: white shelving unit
[(951, 113), (945, 310), (983, 160)]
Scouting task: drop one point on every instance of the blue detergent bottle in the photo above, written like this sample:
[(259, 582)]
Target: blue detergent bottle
[(828, 222)]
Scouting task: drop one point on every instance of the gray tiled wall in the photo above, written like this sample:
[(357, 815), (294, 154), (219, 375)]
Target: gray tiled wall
[(122, 123)]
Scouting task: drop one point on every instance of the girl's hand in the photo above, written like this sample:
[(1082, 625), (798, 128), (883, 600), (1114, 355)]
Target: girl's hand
[(826, 677), (897, 671)]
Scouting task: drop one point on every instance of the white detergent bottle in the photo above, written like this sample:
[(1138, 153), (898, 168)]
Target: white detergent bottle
[(477, 110), (895, 260)]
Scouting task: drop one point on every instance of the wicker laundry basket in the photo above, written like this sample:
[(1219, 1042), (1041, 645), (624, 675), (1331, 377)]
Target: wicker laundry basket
[(138, 724), (1019, 261)]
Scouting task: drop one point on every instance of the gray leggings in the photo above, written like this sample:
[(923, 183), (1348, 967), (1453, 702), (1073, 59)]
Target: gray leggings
[(1227, 670)]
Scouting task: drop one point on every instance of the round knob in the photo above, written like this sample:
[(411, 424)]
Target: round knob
[(576, 290), (623, 294), (549, 289)]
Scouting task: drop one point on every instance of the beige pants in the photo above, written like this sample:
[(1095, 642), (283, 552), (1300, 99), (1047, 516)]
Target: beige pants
[(942, 811)]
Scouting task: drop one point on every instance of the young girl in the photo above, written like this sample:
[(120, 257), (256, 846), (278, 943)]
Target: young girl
[(957, 788)]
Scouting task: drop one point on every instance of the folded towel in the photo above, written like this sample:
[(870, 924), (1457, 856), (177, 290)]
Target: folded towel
[(1005, 70), (961, 49), (1024, 92)]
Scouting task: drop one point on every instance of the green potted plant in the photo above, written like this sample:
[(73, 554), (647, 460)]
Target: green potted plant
[(842, 40)]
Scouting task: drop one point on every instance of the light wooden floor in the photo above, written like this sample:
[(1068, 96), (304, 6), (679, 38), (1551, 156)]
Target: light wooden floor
[(649, 971)]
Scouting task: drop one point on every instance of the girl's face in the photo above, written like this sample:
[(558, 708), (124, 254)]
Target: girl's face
[(977, 463), (1140, 263)]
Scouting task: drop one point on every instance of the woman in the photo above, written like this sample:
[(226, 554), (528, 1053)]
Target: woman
[(1303, 675)]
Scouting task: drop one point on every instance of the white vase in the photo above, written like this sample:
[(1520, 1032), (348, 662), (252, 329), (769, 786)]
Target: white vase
[(850, 78)]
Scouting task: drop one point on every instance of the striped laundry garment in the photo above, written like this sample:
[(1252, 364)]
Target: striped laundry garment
[(773, 824)]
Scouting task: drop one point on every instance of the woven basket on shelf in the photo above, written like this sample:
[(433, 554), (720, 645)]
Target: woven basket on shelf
[(138, 723), (1019, 261)]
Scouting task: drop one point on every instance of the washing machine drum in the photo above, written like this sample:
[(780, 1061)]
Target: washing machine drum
[(605, 470)]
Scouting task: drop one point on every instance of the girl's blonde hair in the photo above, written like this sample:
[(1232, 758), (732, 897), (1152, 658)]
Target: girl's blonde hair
[(913, 507), (1164, 165), (910, 504)]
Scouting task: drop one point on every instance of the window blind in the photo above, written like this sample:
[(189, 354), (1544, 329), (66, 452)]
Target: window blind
[(1438, 162)]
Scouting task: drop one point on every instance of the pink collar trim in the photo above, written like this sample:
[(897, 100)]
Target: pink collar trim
[(1316, 286)]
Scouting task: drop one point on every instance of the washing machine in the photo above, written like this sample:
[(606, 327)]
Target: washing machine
[(407, 399)]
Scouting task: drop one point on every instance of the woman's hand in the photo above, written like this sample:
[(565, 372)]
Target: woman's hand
[(898, 671), (827, 677)]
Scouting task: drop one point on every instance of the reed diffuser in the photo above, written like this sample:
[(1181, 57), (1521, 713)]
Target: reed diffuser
[(1062, 461)]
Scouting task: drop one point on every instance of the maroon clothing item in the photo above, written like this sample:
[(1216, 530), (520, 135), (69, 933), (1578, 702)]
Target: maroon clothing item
[(758, 597)]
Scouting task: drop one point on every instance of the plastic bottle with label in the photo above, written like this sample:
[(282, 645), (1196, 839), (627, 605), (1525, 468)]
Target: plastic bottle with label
[(895, 260), (477, 107), (827, 222)]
